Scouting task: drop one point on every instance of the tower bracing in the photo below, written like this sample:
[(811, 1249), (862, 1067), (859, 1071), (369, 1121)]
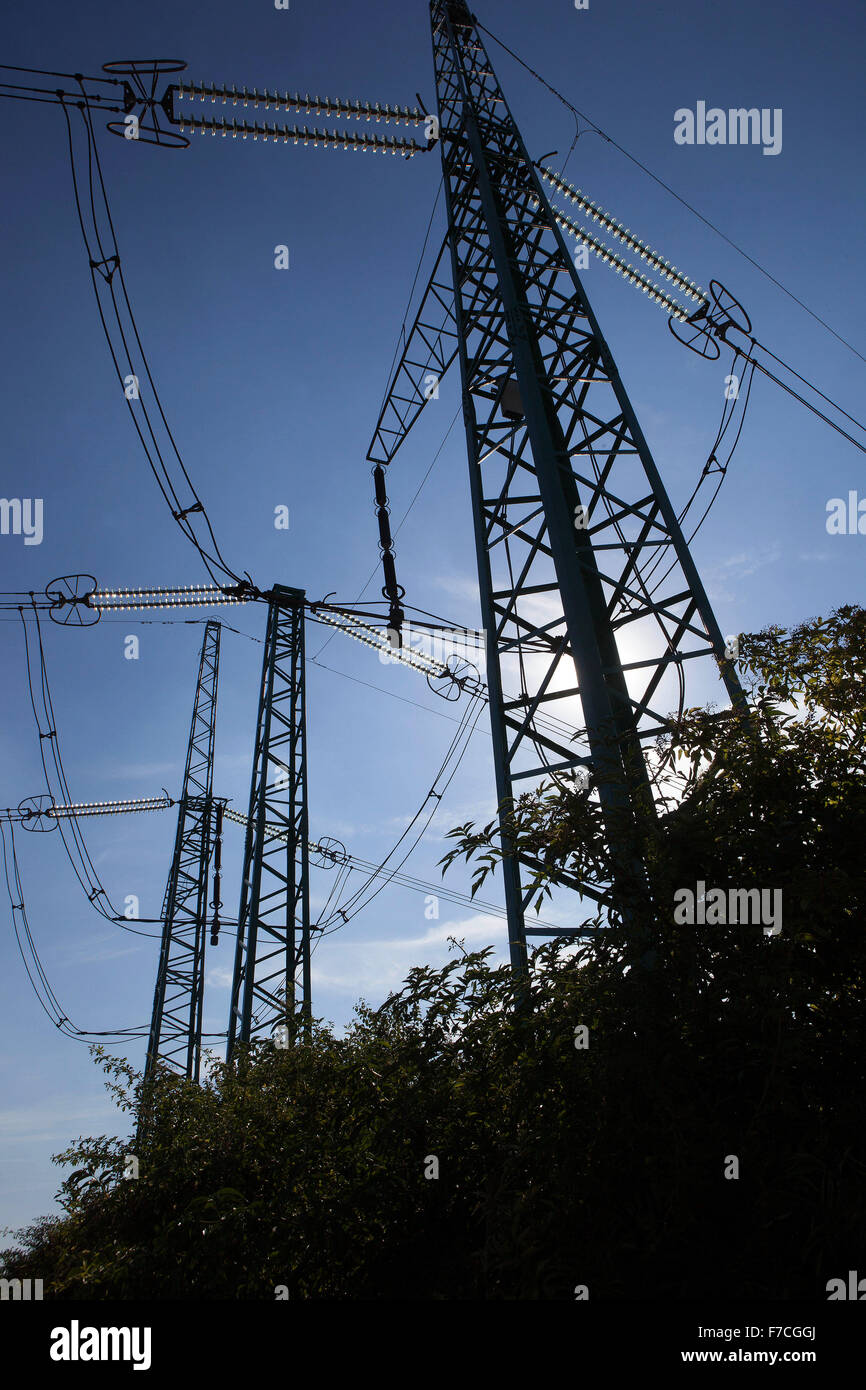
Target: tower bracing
[(176, 1025), (593, 608), (271, 986)]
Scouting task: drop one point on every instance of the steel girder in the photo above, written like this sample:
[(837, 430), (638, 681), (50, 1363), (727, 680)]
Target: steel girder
[(175, 1031), (430, 349), (271, 987), (590, 598)]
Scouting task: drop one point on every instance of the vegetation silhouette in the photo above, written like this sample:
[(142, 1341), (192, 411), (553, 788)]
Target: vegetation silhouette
[(301, 1172)]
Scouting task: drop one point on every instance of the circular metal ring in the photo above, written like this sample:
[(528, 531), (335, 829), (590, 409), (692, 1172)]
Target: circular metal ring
[(327, 853), (136, 67), (32, 811), (68, 596), (699, 339), (730, 307), (450, 682), (167, 138)]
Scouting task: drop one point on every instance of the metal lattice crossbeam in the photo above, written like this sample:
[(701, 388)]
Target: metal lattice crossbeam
[(429, 350), (271, 986)]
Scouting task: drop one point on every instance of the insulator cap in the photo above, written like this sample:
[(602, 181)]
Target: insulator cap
[(379, 483), (384, 529)]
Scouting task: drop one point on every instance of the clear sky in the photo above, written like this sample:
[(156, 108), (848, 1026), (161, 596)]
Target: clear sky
[(272, 382)]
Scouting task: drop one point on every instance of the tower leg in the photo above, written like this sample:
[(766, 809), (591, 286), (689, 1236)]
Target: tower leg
[(176, 1023), (271, 986), (590, 598)]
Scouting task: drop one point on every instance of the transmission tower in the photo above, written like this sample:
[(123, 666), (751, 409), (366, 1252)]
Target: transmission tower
[(271, 987), (175, 1030), (568, 505), (590, 598)]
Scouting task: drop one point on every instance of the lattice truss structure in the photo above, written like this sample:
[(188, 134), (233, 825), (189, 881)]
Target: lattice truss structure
[(593, 607), (271, 985), (176, 1027)]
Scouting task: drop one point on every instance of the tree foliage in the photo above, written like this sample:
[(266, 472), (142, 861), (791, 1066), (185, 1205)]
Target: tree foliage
[(559, 1165)]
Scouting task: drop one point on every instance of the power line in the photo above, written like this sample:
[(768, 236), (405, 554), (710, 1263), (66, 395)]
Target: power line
[(462, 736), (103, 271), (49, 1003), (596, 129), (77, 853)]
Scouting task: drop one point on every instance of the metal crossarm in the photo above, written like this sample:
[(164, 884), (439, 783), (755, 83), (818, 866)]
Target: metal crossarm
[(428, 353)]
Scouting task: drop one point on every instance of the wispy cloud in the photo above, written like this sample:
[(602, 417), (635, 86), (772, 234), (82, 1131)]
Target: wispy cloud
[(219, 977), (57, 1118), (373, 968), (107, 952), (738, 567), (464, 586), (144, 771)]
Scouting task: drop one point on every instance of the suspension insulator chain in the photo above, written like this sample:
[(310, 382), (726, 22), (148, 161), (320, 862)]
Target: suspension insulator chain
[(392, 591), (216, 903)]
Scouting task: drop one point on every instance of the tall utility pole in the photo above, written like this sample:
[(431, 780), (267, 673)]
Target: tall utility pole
[(271, 987), (175, 1030), (588, 590)]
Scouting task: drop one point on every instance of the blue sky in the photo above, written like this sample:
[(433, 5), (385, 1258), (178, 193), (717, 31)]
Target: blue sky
[(272, 382)]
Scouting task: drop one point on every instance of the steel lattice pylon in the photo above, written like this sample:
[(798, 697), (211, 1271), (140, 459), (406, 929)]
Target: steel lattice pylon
[(570, 513), (271, 986), (175, 1031)]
